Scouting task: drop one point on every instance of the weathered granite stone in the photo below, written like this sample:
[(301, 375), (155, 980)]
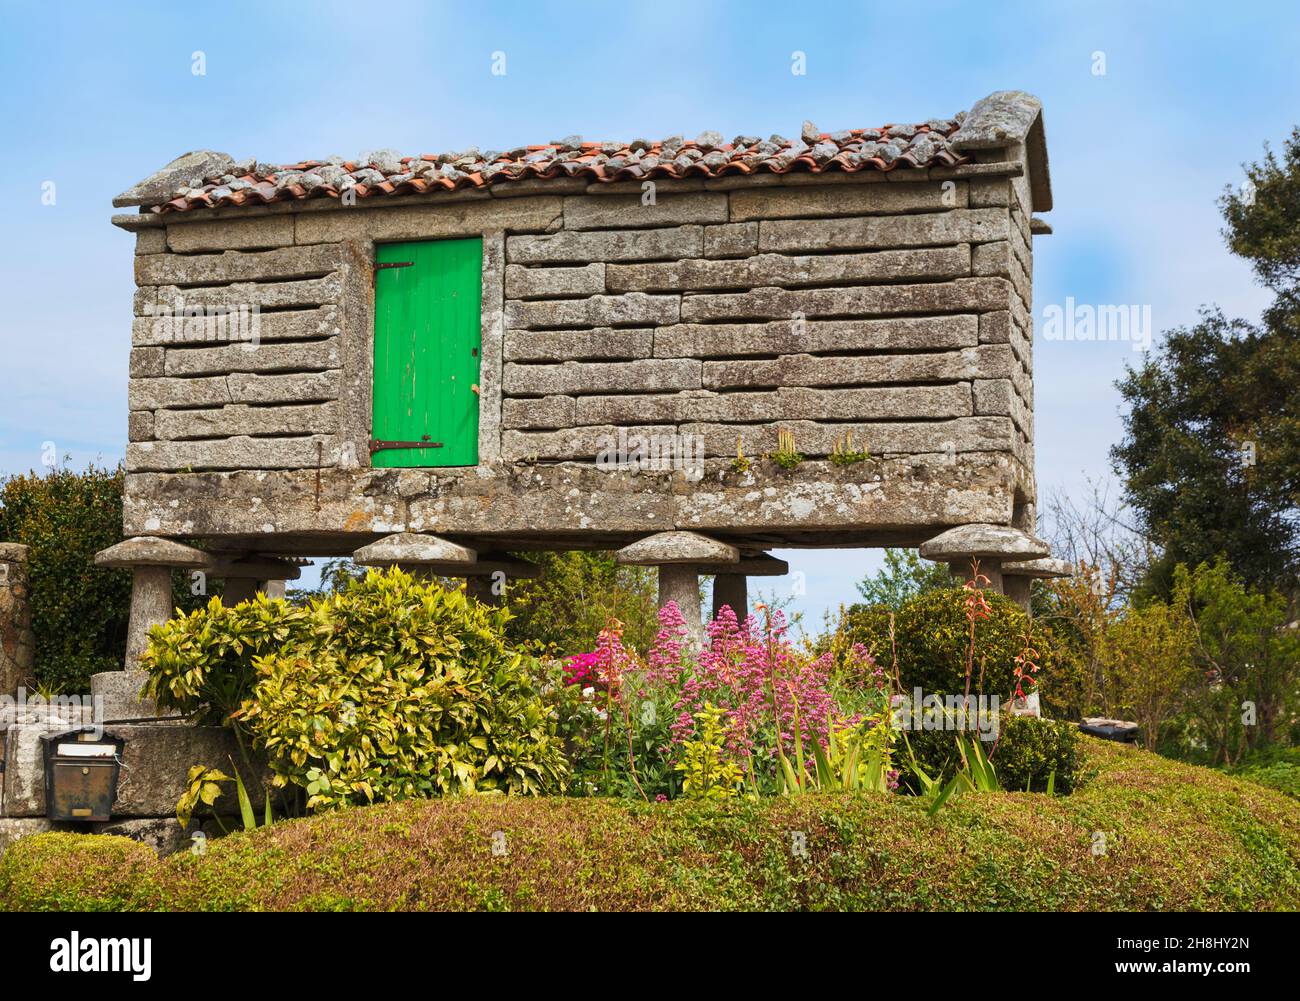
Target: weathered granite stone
[(524, 282), (731, 590), (262, 232), (163, 834), (14, 828), (1042, 568), (594, 344), (998, 120), (145, 551), (120, 695), (983, 540), (781, 269), (681, 585), (618, 212), (411, 549), (677, 547), (155, 760), (583, 247), (17, 640), (161, 185)]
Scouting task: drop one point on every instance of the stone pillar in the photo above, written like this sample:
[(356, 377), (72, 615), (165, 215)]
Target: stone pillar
[(151, 562), (245, 577), (151, 605), (237, 589), (680, 557), (1017, 589), (681, 583), (731, 589), (988, 566), (1017, 575), (479, 587), (429, 556), (17, 641)]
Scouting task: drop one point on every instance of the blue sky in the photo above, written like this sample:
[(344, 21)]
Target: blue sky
[(96, 96)]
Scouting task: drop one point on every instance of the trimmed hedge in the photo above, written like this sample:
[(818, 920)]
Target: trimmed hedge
[(1177, 837)]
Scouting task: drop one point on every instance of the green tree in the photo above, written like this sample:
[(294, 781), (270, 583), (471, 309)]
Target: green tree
[(1211, 451), (903, 576), (564, 608), (1249, 660)]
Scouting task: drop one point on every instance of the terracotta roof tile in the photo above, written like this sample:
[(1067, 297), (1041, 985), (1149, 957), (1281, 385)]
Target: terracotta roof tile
[(385, 172)]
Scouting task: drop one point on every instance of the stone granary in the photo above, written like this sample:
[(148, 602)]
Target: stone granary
[(439, 360)]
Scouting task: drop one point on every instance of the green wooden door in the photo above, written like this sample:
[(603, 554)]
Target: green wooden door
[(427, 347)]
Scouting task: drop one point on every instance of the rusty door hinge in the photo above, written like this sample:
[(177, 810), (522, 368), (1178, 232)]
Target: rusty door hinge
[(380, 265), (379, 445)]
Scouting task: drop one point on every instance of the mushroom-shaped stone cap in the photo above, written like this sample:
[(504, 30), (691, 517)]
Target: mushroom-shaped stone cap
[(258, 567), (13, 552), (994, 541), (414, 549), (143, 551), (677, 547), (761, 565), (1039, 569)]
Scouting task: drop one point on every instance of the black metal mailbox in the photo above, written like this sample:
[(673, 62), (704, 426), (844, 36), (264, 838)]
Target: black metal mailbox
[(81, 772)]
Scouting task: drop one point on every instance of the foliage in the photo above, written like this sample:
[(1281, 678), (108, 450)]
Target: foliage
[(1249, 660), (707, 771), (1211, 452), (981, 853), (202, 664), (1277, 768), (843, 452), (391, 689), (932, 638), (1149, 663), (1264, 226), (1075, 615), (787, 456), (203, 785), (79, 611), (562, 611), (740, 464), (903, 576), (1027, 753)]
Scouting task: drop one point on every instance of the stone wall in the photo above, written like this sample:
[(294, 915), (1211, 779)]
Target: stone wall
[(17, 641), (893, 305)]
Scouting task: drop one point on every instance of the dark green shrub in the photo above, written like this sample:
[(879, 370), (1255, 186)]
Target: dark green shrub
[(1027, 751), (930, 635), (79, 611), (390, 689)]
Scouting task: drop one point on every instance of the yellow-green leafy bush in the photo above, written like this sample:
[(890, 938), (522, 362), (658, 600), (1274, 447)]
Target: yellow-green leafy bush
[(389, 689)]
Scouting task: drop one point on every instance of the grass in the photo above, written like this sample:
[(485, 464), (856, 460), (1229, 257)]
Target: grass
[(1278, 768), (1175, 837)]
